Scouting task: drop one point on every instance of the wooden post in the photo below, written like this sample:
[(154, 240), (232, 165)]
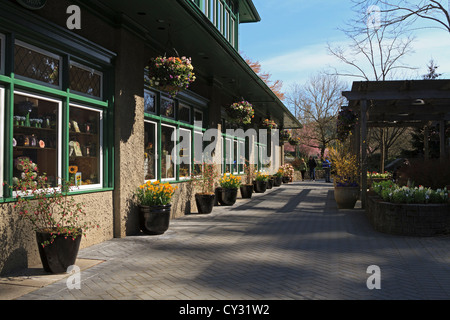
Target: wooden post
[(426, 149), (442, 140), (363, 153), (383, 149)]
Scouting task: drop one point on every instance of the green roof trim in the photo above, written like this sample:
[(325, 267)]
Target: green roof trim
[(248, 12)]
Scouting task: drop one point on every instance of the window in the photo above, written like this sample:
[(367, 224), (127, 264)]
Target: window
[(198, 118), (198, 152), (37, 135), (241, 159), (37, 64), (150, 154), (184, 113), (149, 102), (167, 152), (228, 155), (235, 157), (85, 148), (2, 121), (167, 107), (85, 80), (184, 153)]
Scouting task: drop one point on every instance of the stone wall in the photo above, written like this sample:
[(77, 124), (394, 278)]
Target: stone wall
[(408, 219)]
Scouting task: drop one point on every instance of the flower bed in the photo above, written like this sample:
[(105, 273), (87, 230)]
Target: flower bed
[(409, 211)]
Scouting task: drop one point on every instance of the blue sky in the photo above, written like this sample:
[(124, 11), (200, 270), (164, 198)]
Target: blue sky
[(290, 40)]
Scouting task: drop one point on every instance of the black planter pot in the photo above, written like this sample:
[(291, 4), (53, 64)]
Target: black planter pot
[(205, 202), (246, 191), (228, 196), (270, 183), (277, 181), (286, 179), (260, 186), (218, 193), (154, 220), (59, 255)]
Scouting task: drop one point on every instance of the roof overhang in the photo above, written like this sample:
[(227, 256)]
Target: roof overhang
[(181, 24), (248, 12), (405, 103)]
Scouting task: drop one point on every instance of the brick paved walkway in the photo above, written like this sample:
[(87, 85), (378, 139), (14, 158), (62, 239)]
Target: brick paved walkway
[(290, 243)]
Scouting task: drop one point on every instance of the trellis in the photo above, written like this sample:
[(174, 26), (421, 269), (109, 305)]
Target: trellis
[(407, 103)]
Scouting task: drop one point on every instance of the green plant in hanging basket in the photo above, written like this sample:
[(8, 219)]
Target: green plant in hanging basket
[(170, 74), (285, 135), (269, 124), (241, 112)]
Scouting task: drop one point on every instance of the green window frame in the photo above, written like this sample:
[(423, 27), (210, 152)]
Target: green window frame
[(12, 84), (191, 128)]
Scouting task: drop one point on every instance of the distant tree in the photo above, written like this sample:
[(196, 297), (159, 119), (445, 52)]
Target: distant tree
[(407, 12), (316, 105), (432, 74), (275, 86)]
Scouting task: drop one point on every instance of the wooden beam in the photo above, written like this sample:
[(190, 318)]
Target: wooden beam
[(363, 153), (396, 95)]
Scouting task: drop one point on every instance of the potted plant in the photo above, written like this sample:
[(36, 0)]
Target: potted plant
[(241, 112), (247, 188), (277, 178), (170, 74), (205, 181), (260, 183), (346, 176), (154, 206), (287, 171), (57, 219), (230, 185)]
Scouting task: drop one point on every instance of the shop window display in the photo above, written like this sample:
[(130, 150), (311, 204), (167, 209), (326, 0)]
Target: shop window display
[(150, 150), (36, 135), (167, 155), (84, 146)]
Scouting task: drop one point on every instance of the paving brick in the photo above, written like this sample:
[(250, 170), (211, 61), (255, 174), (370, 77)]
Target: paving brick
[(290, 243)]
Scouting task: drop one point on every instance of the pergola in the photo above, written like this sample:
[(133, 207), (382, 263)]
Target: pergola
[(406, 103)]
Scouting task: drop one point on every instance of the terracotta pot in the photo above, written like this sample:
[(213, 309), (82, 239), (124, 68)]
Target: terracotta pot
[(205, 202), (154, 220), (346, 197), (59, 255)]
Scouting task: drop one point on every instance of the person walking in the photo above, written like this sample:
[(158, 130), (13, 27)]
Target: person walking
[(312, 168), (326, 166), (303, 168)]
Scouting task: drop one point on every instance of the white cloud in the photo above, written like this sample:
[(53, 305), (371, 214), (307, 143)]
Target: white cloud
[(296, 66)]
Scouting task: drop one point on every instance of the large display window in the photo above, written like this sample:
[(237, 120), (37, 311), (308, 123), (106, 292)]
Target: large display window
[(85, 147), (150, 154), (37, 135), (2, 133), (168, 154)]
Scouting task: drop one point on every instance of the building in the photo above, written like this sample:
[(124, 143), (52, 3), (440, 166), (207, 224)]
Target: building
[(79, 66)]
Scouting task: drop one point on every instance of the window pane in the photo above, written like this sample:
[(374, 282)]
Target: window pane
[(35, 135), (149, 102), (2, 55), (167, 146), (184, 113), (228, 155), (84, 146), (2, 106), (185, 153), (198, 152), (235, 157), (85, 80), (36, 65), (167, 107), (150, 150), (198, 117)]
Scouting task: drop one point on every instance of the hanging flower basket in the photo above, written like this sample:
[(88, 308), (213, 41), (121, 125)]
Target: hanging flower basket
[(170, 74), (294, 141), (268, 124), (241, 112), (285, 135)]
